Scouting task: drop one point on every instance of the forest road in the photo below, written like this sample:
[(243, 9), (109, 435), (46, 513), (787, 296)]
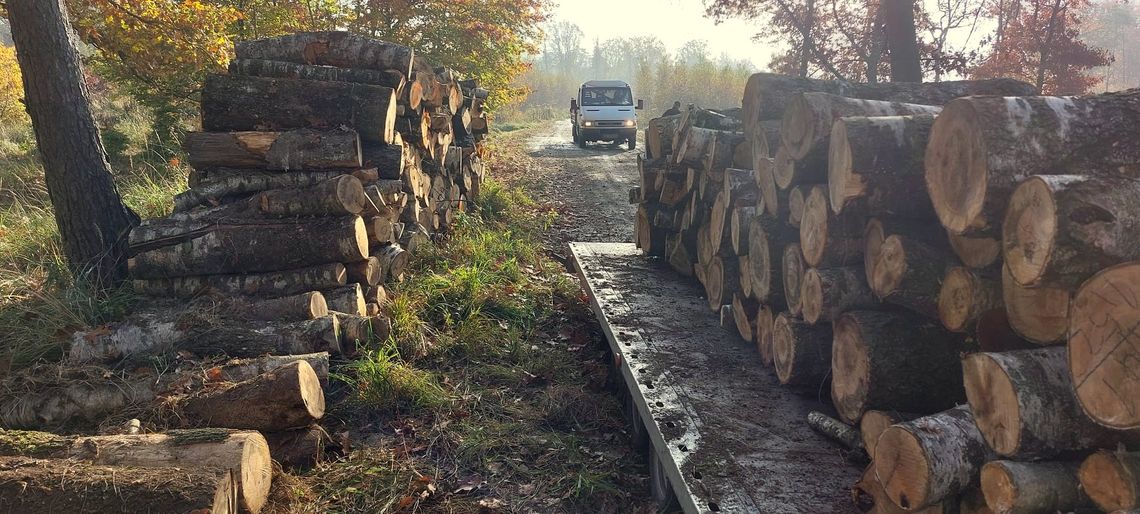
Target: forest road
[(589, 188)]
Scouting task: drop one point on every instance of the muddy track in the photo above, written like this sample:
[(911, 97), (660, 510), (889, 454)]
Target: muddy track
[(588, 187)]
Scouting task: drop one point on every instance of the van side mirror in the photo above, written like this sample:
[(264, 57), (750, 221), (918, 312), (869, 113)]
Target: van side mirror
[(640, 104), (573, 104)]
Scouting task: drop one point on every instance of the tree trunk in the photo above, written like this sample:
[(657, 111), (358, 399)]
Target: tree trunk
[(298, 307), (932, 458), (765, 322), (1031, 487), (300, 449), (775, 200), (739, 227), (246, 454), (806, 128), (871, 498), (835, 430), (976, 252), (801, 352), (236, 102), (295, 150), (1060, 230), (893, 361), (1040, 314), (829, 240), (765, 140), (797, 197), (93, 223), (767, 239), (348, 299), (721, 151), (1024, 406), (368, 272), (875, 422), (745, 266), (740, 188), (828, 293), (909, 273), (979, 150), (291, 70), (767, 95), (261, 247), (240, 370), (281, 283), (877, 164), (783, 168), (387, 159), (722, 278), (37, 486), (1112, 480), (394, 260), (287, 397), (965, 296), (659, 136), (744, 314), (792, 270), (330, 48), (1103, 347), (222, 186), (902, 43), (693, 148), (340, 196)]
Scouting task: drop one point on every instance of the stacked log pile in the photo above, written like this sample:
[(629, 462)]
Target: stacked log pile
[(325, 160), (960, 270)]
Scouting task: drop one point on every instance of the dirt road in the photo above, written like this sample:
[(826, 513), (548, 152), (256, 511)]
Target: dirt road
[(588, 187)]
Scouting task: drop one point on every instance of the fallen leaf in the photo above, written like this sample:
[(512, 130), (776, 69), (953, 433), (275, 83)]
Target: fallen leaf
[(491, 504)]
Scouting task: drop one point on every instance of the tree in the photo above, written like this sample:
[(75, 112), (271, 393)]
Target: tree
[(902, 43), (1115, 27), (1041, 44), (92, 220), (11, 87)]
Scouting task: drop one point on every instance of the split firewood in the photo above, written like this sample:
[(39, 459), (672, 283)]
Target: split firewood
[(978, 152)]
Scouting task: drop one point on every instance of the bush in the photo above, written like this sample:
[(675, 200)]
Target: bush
[(11, 88)]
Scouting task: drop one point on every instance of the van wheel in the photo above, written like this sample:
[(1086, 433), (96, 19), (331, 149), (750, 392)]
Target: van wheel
[(631, 144), (581, 142), (574, 132)]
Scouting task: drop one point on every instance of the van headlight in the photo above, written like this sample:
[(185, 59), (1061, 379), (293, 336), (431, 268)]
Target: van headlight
[(587, 124), (630, 123)]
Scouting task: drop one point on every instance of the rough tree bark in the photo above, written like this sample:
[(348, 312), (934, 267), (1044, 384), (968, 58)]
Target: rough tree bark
[(92, 220), (902, 44), (1031, 487)]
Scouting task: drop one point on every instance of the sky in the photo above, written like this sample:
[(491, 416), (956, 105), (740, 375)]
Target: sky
[(674, 22)]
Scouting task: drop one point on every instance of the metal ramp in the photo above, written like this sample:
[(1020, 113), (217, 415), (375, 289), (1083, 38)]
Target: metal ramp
[(728, 437)]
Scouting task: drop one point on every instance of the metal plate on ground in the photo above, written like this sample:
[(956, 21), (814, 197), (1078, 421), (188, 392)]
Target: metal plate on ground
[(730, 437)]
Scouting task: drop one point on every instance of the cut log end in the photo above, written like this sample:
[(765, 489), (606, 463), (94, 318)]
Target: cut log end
[(1109, 482), (1040, 315), (811, 296), (765, 319), (1103, 346), (813, 226), (999, 415), (956, 168), (975, 252), (963, 299), (843, 184), (889, 268), (908, 483), (1029, 230), (851, 369)]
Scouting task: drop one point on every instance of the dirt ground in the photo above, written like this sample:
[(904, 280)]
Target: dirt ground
[(588, 187)]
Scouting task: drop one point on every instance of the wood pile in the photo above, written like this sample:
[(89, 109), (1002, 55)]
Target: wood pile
[(961, 270), (324, 161)]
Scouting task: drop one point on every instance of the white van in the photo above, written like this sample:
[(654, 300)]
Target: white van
[(604, 111)]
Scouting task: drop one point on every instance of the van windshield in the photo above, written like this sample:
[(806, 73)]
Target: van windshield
[(606, 96)]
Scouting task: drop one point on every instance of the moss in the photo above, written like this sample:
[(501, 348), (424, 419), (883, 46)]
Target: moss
[(32, 444), (198, 436)]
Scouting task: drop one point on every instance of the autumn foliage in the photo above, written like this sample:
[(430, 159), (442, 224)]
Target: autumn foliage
[(11, 88)]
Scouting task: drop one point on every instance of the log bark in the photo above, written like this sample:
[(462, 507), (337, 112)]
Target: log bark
[(767, 239), (1059, 230), (237, 340), (394, 260), (909, 273), (797, 197), (806, 127), (965, 296), (297, 307), (876, 163), (1040, 314), (993, 333), (744, 314), (775, 200), (387, 159), (35, 486), (300, 449), (828, 293), (765, 140), (240, 370), (235, 103), (767, 95), (330, 48), (932, 458), (745, 266), (245, 454), (801, 351), (368, 272), (1030, 487), (982, 253), (875, 422), (291, 70), (1112, 480), (765, 322), (981, 147), (870, 498), (262, 247), (739, 225), (1103, 347), (792, 270), (1024, 405), (226, 185), (280, 283), (340, 196), (347, 299), (829, 240), (893, 361), (659, 136), (740, 188), (294, 150), (287, 397), (835, 430)]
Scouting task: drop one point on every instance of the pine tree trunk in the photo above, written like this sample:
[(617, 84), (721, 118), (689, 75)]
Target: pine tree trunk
[(93, 223)]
